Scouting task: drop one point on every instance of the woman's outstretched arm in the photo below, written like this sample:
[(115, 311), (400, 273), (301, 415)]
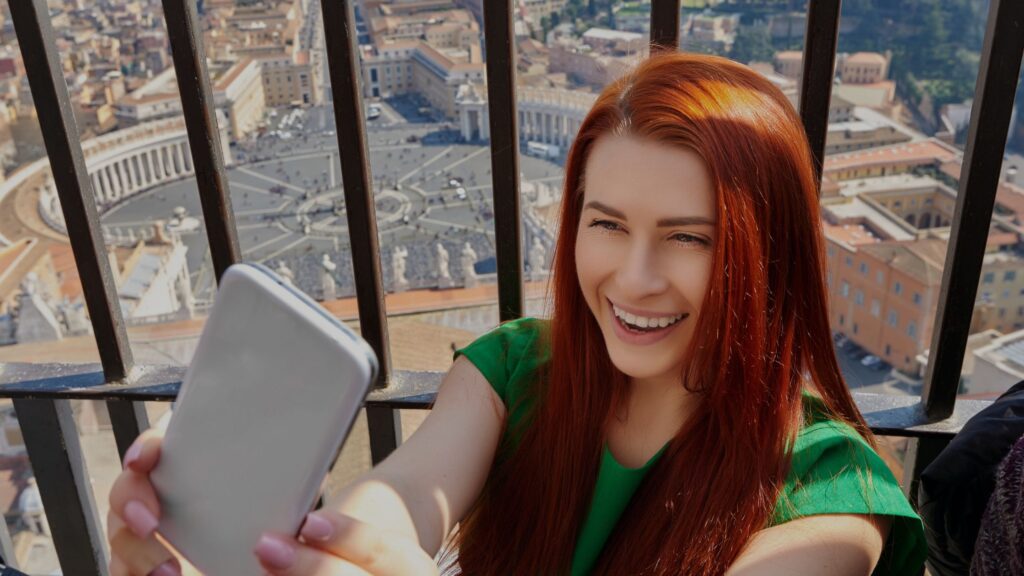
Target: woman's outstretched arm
[(428, 484), (833, 544)]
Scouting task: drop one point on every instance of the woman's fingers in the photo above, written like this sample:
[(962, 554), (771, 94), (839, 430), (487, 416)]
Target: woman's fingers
[(143, 455), (376, 551), (283, 556), (131, 555), (134, 500)]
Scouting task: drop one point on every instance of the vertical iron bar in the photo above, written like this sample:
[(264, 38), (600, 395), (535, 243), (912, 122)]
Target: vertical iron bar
[(664, 25), (816, 80), (128, 419), (74, 187), (979, 180), (77, 200), (51, 437), (7, 546), (504, 126), (343, 61), (186, 36)]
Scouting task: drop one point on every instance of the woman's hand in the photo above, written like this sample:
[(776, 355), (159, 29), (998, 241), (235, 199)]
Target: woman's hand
[(134, 514), (333, 544)]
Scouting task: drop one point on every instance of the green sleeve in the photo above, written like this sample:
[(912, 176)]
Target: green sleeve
[(835, 471), (504, 354)]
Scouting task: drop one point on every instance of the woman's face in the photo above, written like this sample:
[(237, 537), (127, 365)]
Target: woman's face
[(644, 250)]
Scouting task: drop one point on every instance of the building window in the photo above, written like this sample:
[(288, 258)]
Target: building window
[(876, 307), (989, 277), (888, 350), (849, 260), (864, 268), (911, 329), (880, 277), (859, 297), (842, 320), (894, 318), (917, 297), (373, 74), (897, 288), (846, 289), (854, 327), (1002, 312), (1009, 276)]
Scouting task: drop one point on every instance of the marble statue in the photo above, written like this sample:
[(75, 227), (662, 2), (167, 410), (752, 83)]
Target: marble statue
[(467, 260), (398, 256), (444, 277), (327, 283)]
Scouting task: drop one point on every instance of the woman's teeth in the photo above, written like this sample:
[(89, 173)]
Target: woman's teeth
[(644, 323)]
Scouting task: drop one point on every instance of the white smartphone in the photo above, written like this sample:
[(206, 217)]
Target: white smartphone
[(272, 391)]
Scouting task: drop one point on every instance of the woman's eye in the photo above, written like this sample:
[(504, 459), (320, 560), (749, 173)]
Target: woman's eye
[(605, 224), (690, 239)]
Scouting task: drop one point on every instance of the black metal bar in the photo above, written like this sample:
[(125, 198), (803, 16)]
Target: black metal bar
[(979, 180), (819, 67), (886, 414), (664, 25), (186, 36), (504, 126), (385, 427), (920, 453), (51, 437), (7, 547), (74, 187), (77, 198), (128, 419), (343, 60)]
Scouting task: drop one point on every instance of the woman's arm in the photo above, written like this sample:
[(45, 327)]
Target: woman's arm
[(833, 544), (429, 483)]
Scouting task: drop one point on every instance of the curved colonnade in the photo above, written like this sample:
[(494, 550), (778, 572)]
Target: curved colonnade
[(122, 164)]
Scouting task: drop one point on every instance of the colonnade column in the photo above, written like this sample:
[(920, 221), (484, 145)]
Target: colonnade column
[(179, 160), (96, 189), (149, 164), (108, 192)]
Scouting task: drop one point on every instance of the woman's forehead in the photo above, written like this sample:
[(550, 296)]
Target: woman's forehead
[(636, 174)]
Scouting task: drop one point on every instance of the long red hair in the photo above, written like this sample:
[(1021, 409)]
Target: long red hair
[(762, 336)]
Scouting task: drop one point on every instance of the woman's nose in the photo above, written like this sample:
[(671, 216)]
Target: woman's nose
[(640, 273)]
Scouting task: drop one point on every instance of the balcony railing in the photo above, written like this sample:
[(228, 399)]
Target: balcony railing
[(41, 392)]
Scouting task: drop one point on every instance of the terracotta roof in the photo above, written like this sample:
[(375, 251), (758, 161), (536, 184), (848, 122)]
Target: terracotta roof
[(851, 234), (866, 58), (922, 152), (920, 259), (64, 265)]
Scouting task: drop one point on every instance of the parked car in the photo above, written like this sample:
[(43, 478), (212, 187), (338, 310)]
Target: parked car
[(858, 353), (870, 360)]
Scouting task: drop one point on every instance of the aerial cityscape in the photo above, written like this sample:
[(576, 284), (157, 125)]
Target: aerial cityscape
[(898, 120)]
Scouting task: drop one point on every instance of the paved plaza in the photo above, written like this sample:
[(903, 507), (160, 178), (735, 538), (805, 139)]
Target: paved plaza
[(288, 199)]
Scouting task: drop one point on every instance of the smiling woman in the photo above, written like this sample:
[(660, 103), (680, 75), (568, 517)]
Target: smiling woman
[(682, 411)]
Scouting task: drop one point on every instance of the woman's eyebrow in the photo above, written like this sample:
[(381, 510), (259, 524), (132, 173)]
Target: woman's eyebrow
[(663, 223), (605, 208), (685, 221)]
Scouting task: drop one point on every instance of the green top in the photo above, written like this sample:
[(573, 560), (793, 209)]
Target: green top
[(827, 474)]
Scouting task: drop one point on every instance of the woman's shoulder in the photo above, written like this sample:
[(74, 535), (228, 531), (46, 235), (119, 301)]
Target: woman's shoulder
[(509, 352), (834, 470)]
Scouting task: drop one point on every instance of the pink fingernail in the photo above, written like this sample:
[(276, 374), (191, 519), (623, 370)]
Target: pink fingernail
[(317, 528), (139, 519), (132, 454), (275, 552), (169, 568)]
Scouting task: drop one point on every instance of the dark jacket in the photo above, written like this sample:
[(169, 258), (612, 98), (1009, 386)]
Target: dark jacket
[(955, 488)]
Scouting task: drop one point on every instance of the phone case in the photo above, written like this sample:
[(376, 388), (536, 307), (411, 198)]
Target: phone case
[(272, 391)]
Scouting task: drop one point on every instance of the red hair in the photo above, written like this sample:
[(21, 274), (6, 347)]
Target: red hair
[(762, 336)]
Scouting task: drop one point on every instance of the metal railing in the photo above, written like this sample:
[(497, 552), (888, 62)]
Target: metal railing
[(41, 392)]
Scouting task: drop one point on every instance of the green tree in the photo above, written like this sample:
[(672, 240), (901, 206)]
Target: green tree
[(753, 44)]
